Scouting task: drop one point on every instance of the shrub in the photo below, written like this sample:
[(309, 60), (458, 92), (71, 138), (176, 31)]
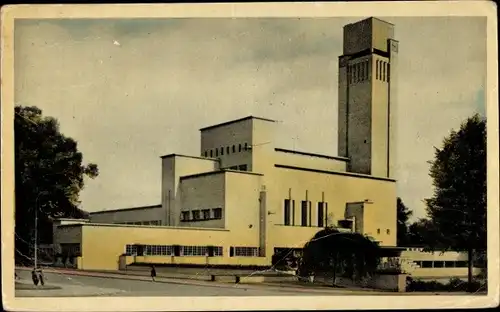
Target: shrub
[(453, 285)]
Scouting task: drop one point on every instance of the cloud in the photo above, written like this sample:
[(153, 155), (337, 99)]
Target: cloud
[(127, 105)]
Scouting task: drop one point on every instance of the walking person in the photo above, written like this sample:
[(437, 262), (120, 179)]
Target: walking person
[(41, 277), (34, 277), (153, 273)]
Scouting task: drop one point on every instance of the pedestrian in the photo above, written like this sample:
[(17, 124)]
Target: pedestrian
[(41, 277), (34, 277), (153, 273)]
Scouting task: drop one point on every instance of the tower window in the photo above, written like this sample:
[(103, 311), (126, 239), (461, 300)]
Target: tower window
[(222, 150), (227, 150), (239, 147), (304, 213), (377, 69), (362, 71), (234, 149), (388, 72), (206, 153), (321, 214), (287, 212), (246, 146), (383, 70), (367, 69), (216, 152), (211, 153)]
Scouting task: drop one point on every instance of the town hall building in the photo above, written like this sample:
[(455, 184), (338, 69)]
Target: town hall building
[(243, 199)]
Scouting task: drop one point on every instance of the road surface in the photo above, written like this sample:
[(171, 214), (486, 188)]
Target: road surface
[(74, 285)]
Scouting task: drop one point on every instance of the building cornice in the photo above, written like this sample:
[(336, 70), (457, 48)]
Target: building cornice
[(188, 156), (282, 150), (125, 209), (235, 121), (348, 174)]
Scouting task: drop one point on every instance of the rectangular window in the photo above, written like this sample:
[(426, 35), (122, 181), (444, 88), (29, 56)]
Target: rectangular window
[(194, 250), (206, 214), (211, 153), (246, 146), (216, 152), (222, 151), (206, 153), (217, 213), (246, 251), (227, 150), (461, 264), (293, 211), (242, 167), (196, 215), (185, 216), (427, 264), (304, 209), (287, 212), (214, 251), (438, 264), (321, 215), (131, 250)]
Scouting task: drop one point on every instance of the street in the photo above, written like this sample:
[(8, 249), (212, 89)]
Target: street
[(74, 285)]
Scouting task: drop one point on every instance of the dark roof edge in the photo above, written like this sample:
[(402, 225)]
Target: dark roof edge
[(311, 154), (349, 174), (126, 209), (196, 175), (189, 156), (234, 121)]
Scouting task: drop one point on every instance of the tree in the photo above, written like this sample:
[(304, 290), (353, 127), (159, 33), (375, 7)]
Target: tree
[(422, 233), (457, 208), (402, 227), (49, 176), (333, 252)]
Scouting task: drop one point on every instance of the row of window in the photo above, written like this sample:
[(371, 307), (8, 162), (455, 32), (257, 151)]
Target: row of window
[(186, 251), (153, 222), (228, 149), (202, 215), (382, 70), (306, 215), (441, 264), (360, 71)]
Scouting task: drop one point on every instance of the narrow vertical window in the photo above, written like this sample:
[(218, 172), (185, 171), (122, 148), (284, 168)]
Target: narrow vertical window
[(234, 149), (321, 215), (206, 153), (388, 72), (216, 152), (227, 150), (326, 213), (383, 71), (239, 147), (293, 211), (222, 151), (378, 69), (304, 213), (287, 212), (246, 146), (211, 154), (362, 71), (367, 69), (309, 212)]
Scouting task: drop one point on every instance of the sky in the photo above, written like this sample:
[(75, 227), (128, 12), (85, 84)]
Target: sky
[(131, 90)]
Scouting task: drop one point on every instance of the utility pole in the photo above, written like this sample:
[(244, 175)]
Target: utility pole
[(36, 234)]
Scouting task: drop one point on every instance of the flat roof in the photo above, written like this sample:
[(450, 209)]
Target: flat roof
[(348, 174), (235, 121), (126, 209), (159, 227), (282, 150), (188, 156)]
